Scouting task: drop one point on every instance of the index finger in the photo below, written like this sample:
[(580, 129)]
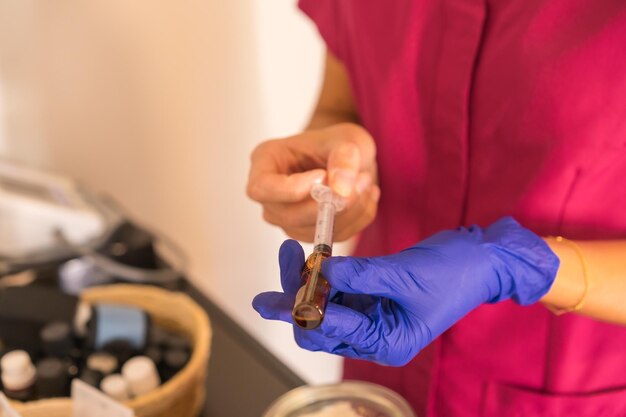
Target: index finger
[(271, 187)]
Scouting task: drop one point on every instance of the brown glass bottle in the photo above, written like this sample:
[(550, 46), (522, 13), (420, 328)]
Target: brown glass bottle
[(312, 298)]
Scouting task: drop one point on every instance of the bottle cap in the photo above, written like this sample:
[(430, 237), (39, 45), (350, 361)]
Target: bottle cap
[(177, 341), (50, 368), (176, 359), (56, 339), (141, 374), (116, 387), (158, 335), (103, 362), (18, 371), (154, 353)]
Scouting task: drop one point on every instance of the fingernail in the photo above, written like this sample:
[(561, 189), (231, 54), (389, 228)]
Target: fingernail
[(317, 176), (350, 151), (343, 182)]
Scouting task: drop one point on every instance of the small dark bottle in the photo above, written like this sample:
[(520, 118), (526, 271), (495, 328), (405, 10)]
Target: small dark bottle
[(174, 360), (18, 375), (91, 377), (56, 339), (52, 378), (158, 336), (177, 341), (155, 353), (121, 350)]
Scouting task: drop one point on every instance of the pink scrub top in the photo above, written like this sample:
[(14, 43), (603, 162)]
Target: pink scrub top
[(482, 109)]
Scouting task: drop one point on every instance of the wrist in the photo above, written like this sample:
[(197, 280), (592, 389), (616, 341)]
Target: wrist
[(570, 285), (524, 264)]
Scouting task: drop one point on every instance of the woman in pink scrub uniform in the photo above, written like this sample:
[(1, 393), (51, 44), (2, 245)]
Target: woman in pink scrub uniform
[(481, 146)]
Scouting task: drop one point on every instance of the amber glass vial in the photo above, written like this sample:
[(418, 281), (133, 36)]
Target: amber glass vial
[(312, 298)]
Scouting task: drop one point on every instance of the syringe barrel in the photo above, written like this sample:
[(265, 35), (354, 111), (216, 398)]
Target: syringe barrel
[(328, 204), (324, 225)]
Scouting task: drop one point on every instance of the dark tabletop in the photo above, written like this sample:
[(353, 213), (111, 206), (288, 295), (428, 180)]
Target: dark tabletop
[(243, 377)]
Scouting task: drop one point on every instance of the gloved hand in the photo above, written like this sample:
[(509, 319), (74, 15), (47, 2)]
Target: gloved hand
[(395, 305)]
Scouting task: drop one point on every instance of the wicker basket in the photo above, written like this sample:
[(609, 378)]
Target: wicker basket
[(181, 396), (57, 407)]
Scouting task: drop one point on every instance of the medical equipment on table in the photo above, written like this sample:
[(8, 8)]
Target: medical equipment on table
[(312, 297), (48, 219), (34, 205)]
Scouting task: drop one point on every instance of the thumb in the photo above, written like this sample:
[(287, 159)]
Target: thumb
[(291, 260), (352, 275), (344, 164), (274, 306)]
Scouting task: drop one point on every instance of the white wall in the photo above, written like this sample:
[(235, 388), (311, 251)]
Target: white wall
[(3, 139), (160, 106)]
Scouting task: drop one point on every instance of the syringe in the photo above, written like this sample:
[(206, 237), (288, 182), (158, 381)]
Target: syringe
[(312, 298)]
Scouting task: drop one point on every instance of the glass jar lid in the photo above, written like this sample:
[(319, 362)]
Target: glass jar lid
[(346, 399)]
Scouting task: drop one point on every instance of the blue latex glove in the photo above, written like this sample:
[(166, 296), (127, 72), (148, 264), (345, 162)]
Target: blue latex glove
[(395, 305)]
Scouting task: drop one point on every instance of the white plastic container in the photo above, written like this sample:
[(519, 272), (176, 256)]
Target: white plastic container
[(116, 387), (141, 374), (18, 371)]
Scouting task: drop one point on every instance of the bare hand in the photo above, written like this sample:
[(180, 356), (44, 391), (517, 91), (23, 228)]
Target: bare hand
[(283, 170)]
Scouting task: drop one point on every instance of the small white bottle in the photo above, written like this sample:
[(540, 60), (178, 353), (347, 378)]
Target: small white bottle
[(141, 374), (18, 375), (116, 387)]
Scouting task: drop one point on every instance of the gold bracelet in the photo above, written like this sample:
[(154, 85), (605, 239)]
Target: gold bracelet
[(579, 305)]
